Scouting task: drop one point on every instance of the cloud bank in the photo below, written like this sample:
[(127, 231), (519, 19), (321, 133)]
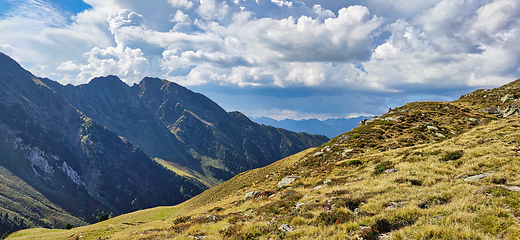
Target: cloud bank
[(282, 57)]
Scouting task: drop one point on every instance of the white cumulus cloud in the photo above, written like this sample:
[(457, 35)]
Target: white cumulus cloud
[(384, 49)]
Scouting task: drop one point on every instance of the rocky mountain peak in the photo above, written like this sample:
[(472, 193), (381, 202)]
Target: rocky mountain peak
[(7, 62), (9, 68), (109, 82)]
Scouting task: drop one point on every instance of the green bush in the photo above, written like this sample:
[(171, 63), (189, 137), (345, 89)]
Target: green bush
[(69, 226), (103, 216), (351, 202), (6, 234), (355, 135), (453, 155), (181, 220), (380, 168), (354, 162)]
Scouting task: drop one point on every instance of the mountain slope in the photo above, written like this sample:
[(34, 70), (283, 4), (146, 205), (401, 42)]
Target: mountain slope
[(224, 143), (70, 160), (366, 183), (184, 130), (99, 148)]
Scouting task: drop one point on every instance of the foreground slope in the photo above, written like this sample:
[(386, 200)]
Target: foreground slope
[(458, 178)]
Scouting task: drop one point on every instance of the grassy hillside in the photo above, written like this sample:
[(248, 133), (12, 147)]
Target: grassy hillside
[(427, 198), (150, 217), (427, 170), (21, 206)]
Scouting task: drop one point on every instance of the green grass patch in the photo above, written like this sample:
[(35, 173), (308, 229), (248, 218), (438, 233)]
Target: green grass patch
[(383, 122), (354, 136)]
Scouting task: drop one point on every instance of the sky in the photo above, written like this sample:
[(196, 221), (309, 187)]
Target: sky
[(294, 59)]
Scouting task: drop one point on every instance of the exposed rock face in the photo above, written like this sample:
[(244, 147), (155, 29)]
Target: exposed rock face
[(250, 195), (511, 110), (287, 181), (477, 177), (507, 98), (491, 110), (286, 228)]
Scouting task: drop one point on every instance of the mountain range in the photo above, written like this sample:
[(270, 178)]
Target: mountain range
[(330, 127), (70, 154)]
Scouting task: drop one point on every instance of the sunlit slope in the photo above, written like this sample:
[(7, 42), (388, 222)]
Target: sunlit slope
[(123, 225)]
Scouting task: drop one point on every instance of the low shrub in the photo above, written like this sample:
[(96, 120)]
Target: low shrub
[(414, 182), (338, 192), (264, 194), (291, 196), (380, 168), (380, 226), (69, 226), (353, 162), (433, 201), (181, 220), (350, 203), (355, 135), (216, 209), (450, 156), (333, 217), (383, 122)]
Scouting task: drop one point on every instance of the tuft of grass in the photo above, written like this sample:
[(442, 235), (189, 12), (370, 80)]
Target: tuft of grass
[(333, 217), (434, 200), (298, 221), (497, 191), (291, 196)]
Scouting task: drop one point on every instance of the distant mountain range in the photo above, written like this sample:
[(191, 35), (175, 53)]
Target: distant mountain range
[(69, 154), (331, 127)]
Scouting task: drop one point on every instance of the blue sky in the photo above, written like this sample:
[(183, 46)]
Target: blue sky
[(276, 58)]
